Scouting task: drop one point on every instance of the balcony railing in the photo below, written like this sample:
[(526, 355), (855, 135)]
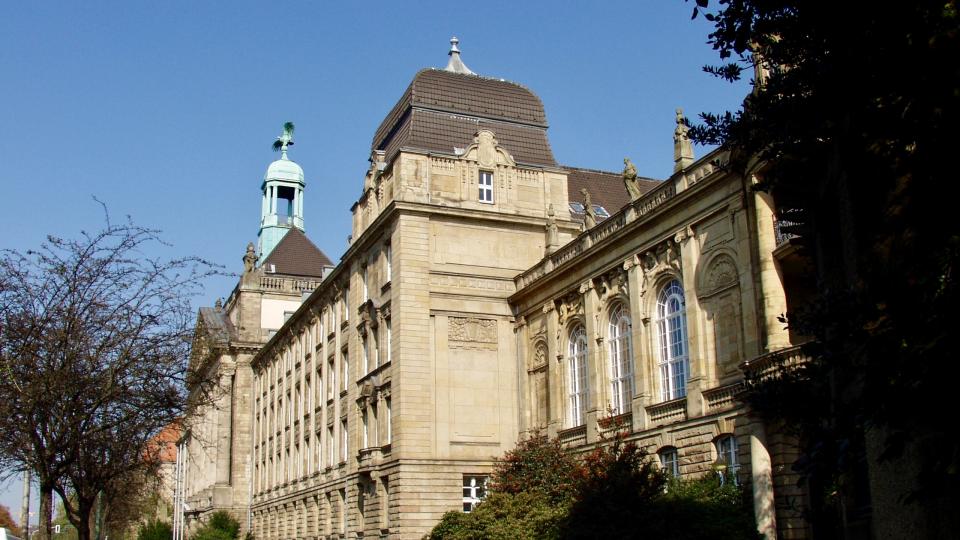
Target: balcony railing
[(784, 228), (774, 364)]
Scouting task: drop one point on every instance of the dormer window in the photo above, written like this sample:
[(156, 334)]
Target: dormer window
[(486, 187), (576, 208)]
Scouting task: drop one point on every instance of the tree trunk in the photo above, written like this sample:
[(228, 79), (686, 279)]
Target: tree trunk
[(44, 530), (81, 519)]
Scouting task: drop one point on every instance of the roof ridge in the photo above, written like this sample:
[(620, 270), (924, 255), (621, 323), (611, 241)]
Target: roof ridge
[(484, 77), (588, 169)]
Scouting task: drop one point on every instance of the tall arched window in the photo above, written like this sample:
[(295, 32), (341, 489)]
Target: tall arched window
[(672, 337), (621, 360), (578, 374), (727, 454)]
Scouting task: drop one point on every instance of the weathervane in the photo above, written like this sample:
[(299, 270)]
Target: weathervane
[(284, 140)]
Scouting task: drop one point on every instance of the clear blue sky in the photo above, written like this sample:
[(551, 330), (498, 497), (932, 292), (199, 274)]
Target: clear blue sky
[(166, 110)]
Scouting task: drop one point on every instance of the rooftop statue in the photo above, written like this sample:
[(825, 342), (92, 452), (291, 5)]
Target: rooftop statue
[(589, 214), (630, 179), (249, 259)]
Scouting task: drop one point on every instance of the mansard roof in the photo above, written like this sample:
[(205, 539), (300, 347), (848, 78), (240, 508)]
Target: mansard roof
[(606, 188), (443, 110), (296, 255)]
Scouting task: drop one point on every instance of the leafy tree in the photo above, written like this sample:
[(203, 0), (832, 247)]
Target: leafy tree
[(94, 339), (614, 482), (537, 464), (7, 522), (852, 127)]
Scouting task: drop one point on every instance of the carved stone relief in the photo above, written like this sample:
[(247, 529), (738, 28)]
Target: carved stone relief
[(540, 355), (472, 333), (721, 274), (570, 305)]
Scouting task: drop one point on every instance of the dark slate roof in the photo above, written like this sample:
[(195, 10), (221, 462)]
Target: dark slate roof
[(296, 255), (606, 188), (441, 110), (218, 326)]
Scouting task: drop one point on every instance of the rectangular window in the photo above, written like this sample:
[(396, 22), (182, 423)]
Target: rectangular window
[(363, 278), (376, 348), (331, 384), (343, 441), (389, 422), (345, 367), (388, 259), (474, 491), (486, 187), (374, 426), (319, 444), (389, 341), (366, 428), (330, 440), (366, 354)]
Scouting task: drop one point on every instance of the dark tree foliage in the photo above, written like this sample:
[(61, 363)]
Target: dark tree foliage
[(94, 338), (852, 127)]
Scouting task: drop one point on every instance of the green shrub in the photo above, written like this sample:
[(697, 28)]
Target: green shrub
[(209, 533), (220, 526), (538, 491), (155, 530)]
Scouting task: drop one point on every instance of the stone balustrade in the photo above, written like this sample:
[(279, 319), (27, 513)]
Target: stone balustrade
[(667, 412), (287, 284), (721, 398)]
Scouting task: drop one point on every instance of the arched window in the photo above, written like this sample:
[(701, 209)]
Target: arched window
[(672, 337), (621, 360), (578, 374), (669, 461), (727, 455)]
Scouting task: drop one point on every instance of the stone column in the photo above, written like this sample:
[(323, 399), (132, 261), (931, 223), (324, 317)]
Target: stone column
[(224, 427), (554, 371), (525, 405), (761, 480), (772, 297), (642, 366), (596, 404), (697, 380)]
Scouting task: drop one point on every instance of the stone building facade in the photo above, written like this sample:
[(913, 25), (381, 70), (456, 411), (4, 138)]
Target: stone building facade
[(484, 295)]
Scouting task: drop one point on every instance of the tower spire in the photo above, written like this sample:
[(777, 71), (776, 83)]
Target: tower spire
[(455, 64), (282, 204)]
